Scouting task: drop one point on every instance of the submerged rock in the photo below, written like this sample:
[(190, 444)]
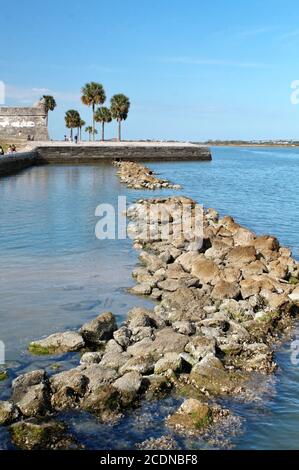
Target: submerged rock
[(35, 435), (192, 417)]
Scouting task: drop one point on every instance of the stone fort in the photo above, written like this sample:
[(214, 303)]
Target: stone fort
[(17, 124)]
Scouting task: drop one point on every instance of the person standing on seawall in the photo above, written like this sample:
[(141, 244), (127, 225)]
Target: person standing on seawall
[(1, 150), (76, 139)]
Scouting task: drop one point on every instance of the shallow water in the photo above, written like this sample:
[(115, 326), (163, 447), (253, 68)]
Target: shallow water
[(55, 274)]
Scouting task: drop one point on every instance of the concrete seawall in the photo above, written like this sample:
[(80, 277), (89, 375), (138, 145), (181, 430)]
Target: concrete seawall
[(12, 164), (61, 152)]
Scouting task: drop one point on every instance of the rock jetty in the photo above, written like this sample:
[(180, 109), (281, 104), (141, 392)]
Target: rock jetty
[(223, 300), (137, 176)]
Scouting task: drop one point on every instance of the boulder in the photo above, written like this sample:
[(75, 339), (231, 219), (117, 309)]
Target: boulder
[(68, 388), (254, 268), (91, 357), (114, 360), (206, 270), (184, 327), (241, 255), (219, 249), (141, 364), (170, 285), (68, 341), (35, 435), (294, 296), (192, 417), (210, 366), (138, 334), (139, 317), (171, 361), (186, 260), (264, 243), (249, 287), (200, 346), (225, 290), (122, 336), (151, 261), (128, 386), (166, 340), (145, 288), (99, 329), (243, 237), (31, 393), (8, 412)]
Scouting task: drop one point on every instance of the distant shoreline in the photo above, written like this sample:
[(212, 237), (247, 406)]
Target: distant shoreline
[(250, 144)]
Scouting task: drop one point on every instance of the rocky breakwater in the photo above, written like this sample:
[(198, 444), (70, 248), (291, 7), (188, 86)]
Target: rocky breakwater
[(224, 299), (137, 176)]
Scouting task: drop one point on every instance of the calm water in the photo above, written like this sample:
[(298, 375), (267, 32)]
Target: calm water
[(56, 275)]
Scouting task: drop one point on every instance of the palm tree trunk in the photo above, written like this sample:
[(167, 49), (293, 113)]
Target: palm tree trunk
[(103, 131), (119, 130), (71, 133), (93, 122)]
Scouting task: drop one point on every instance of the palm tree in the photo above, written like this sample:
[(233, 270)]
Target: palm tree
[(120, 105), (81, 124), (72, 120), (89, 130), (93, 93), (50, 104), (103, 115)]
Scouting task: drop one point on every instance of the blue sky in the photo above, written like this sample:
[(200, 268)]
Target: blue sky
[(193, 70)]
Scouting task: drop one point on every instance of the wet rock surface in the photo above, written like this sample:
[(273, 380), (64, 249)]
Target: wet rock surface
[(137, 176), (224, 300), (48, 435)]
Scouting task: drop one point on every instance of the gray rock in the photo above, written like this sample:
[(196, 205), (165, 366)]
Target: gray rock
[(123, 336), (68, 341), (91, 357), (145, 288), (48, 435), (169, 285), (184, 327), (68, 388), (113, 360), (31, 393), (166, 340), (200, 346), (141, 364), (113, 347), (8, 413), (138, 334), (210, 366), (128, 385), (171, 361), (99, 329)]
